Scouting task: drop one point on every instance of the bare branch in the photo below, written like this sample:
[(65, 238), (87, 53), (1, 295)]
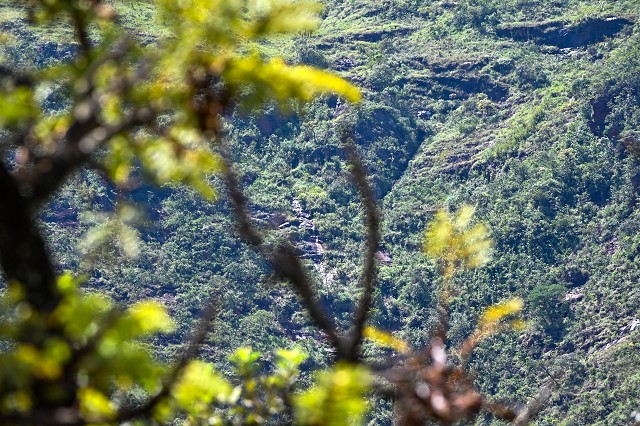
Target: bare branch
[(192, 349), (442, 310), (71, 417), (372, 243), (85, 135), (536, 405), (500, 411), (10, 78), (283, 259), (60, 417), (81, 31), (83, 138), (239, 204)]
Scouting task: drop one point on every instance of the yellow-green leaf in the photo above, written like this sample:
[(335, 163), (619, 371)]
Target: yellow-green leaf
[(95, 405), (337, 399), (455, 243), (497, 312), (384, 338), (199, 385), (150, 317)]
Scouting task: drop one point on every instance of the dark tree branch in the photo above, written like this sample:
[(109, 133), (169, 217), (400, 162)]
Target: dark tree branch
[(83, 138), (372, 243), (442, 328), (81, 31), (283, 259), (9, 78), (61, 417), (71, 417), (239, 204), (23, 254), (85, 134)]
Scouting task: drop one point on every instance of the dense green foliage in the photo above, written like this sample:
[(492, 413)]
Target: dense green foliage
[(135, 112), (479, 102)]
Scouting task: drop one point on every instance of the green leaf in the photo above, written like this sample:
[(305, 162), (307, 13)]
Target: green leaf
[(17, 106), (245, 360), (274, 80), (198, 386), (95, 405), (337, 399), (148, 317), (454, 242), (384, 338)]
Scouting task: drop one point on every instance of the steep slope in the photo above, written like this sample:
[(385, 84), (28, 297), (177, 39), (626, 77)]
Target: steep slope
[(535, 122), (529, 110)]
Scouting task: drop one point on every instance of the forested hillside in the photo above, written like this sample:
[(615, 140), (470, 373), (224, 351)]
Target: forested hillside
[(528, 110)]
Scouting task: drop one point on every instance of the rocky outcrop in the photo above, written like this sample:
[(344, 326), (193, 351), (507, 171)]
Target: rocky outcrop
[(562, 35), (370, 36), (625, 332), (460, 79), (575, 295), (300, 227), (344, 64), (631, 326), (383, 258)]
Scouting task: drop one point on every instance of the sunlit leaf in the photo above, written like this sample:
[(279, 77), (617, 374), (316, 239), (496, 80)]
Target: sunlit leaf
[(199, 385), (149, 317), (274, 80), (289, 359), (499, 311), (497, 318), (94, 404), (41, 365), (245, 360), (282, 16), (17, 106), (455, 243), (384, 338), (337, 399)]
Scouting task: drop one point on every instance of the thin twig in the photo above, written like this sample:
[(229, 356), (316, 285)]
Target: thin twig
[(283, 259), (372, 243), (198, 337), (536, 405), (81, 31)]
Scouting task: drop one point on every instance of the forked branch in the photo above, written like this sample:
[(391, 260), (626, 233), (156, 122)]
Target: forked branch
[(283, 259)]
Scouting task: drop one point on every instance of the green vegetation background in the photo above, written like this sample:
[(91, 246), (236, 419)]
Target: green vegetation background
[(472, 101)]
